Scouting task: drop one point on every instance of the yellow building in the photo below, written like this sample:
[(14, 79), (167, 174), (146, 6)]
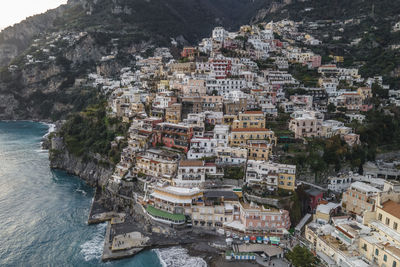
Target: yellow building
[(259, 151), (338, 59), (359, 197), (173, 113), (287, 181), (154, 163), (242, 136), (163, 86), (364, 92), (383, 247), (249, 119)]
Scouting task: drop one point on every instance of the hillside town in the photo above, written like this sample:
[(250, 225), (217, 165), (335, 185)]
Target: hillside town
[(210, 131)]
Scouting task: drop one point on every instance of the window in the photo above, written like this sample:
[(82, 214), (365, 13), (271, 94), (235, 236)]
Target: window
[(385, 258), (364, 247), (380, 216), (394, 264), (376, 252), (387, 221)]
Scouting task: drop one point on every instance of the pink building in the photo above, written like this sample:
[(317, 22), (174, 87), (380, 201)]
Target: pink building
[(221, 67), (315, 61), (256, 218), (173, 135)]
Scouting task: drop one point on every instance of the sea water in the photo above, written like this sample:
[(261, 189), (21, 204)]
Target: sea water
[(43, 213)]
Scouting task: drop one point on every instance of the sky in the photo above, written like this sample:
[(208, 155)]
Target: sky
[(14, 11)]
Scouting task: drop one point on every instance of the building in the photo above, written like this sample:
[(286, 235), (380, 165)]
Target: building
[(194, 87), (189, 52), (380, 169), (271, 175), (173, 114), (173, 135), (216, 209), (324, 212), (315, 197), (219, 34), (349, 101), (231, 156), (212, 103), (175, 200), (364, 92), (328, 70), (259, 150), (156, 163), (260, 220), (360, 197), (249, 119), (242, 136), (306, 123), (339, 184), (202, 147), (383, 246), (192, 173)]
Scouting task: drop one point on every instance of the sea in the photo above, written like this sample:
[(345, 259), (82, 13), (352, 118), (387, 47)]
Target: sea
[(43, 212)]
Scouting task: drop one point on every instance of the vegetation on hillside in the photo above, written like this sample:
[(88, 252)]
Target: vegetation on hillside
[(92, 131)]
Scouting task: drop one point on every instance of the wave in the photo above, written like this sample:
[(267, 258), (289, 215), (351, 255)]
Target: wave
[(93, 248), (52, 128), (81, 191), (178, 257)]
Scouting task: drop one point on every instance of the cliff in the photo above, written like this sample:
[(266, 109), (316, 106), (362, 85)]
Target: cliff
[(90, 171), (112, 196)]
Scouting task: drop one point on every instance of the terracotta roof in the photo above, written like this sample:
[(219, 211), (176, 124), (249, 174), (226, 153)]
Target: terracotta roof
[(250, 130), (191, 163), (391, 207)]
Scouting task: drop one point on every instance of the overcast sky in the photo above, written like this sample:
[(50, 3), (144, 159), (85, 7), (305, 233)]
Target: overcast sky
[(13, 11)]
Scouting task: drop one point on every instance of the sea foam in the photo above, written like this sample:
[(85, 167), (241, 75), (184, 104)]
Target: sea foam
[(178, 257), (93, 248)]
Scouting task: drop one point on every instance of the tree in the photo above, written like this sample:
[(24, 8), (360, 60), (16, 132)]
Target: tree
[(331, 108), (302, 257)]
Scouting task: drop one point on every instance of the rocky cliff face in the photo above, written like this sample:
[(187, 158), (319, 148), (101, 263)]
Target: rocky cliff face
[(41, 83), (90, 171), (117, 197)]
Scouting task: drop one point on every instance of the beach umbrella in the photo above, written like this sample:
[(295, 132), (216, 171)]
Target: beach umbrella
[(259, 239)]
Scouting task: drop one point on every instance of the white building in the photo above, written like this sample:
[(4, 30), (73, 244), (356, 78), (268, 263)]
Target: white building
[(339, 184), (192, 173), (268, 173), (231, 155), (202, 147), (224, 86), (219, 34)]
